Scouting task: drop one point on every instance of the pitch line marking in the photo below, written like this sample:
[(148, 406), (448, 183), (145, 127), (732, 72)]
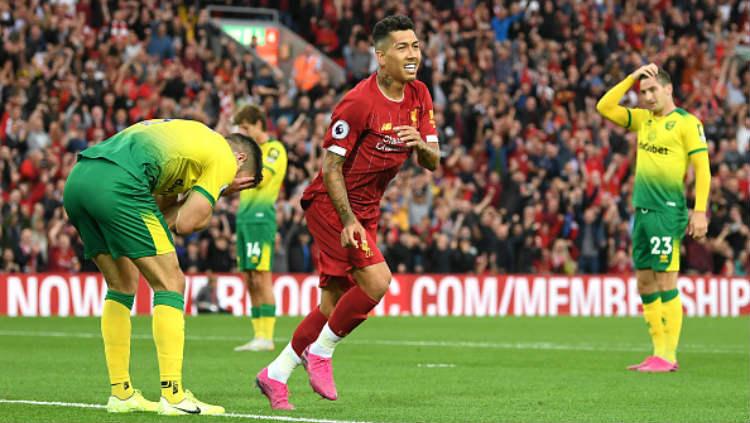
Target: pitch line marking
[(545, 346), (436, 365), (233, 415)]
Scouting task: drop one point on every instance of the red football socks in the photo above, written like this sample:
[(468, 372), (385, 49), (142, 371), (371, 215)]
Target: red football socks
[(308, 330), (350, 311)]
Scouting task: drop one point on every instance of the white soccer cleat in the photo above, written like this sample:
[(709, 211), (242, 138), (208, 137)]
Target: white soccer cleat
[(136, 402), (189, 405), (257, 344)]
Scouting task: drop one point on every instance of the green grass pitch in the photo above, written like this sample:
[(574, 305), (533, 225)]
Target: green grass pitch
[(401, 370)]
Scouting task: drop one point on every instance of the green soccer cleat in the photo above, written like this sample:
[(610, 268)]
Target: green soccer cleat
[(136, 402), (189, 405)]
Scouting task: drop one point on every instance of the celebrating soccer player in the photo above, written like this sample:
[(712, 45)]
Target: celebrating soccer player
[(374, 129), (110, 199), (256, 229), (668, 137)]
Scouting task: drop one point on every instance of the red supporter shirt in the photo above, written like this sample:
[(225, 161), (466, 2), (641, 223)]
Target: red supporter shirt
[(361, 130), (61, 260)]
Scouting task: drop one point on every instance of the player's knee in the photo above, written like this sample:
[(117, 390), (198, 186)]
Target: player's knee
[(123, 285), (326, 308), (177, 283), (379, 291), (332, 292), (254, 280), (172, 281), (379, 285), (386, 280), (328, 302), (647, 285), (123, 282)]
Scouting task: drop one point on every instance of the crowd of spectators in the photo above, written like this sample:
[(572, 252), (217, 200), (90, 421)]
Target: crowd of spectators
[(532, 178)]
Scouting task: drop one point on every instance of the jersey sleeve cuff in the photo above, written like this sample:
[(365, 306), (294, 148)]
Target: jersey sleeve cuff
[(630, 119), (697, 150), (431, 138), (206, 194), (337, 150), (270, 169)]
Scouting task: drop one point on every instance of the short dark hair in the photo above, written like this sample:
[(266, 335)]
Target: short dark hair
[(251, 114), (385, 26), (244, 144), (662, 77)]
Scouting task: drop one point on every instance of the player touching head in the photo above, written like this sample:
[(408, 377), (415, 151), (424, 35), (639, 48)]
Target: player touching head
[(194, 212), (137, 176), (250, 169), (669, 139), (655, 89)]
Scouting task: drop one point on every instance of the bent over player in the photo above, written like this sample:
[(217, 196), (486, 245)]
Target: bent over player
[(375, 128), (668, 139), (110, 199)]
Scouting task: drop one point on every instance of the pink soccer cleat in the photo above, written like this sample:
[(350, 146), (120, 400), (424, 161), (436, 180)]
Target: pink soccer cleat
[(276, 392), (658, 365), (641, 364), (320, 371)]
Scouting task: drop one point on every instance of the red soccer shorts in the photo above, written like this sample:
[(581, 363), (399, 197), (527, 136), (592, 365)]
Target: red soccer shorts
[(331, 259)]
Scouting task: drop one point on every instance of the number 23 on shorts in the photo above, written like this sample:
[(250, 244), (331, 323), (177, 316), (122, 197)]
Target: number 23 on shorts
[(656, 245), (661, 245)]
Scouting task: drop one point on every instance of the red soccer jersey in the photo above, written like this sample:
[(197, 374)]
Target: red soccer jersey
[(361, 130)]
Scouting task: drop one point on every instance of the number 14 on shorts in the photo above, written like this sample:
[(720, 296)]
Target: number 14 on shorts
[(253, 251)]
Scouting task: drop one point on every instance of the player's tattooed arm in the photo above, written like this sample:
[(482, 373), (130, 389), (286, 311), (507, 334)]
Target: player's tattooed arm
[(333, 179), (428, 153)]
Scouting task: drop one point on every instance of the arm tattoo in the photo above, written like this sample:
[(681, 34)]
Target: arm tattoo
[(333, 179), (429, 157)]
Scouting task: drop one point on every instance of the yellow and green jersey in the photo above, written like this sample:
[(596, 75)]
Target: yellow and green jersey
[(665, 144), (257, 205), (172, 155)]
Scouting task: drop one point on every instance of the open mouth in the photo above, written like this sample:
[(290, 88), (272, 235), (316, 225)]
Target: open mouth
[(410, 68)]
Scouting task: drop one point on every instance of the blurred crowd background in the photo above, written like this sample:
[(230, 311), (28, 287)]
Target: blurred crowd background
[(532, 179)]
